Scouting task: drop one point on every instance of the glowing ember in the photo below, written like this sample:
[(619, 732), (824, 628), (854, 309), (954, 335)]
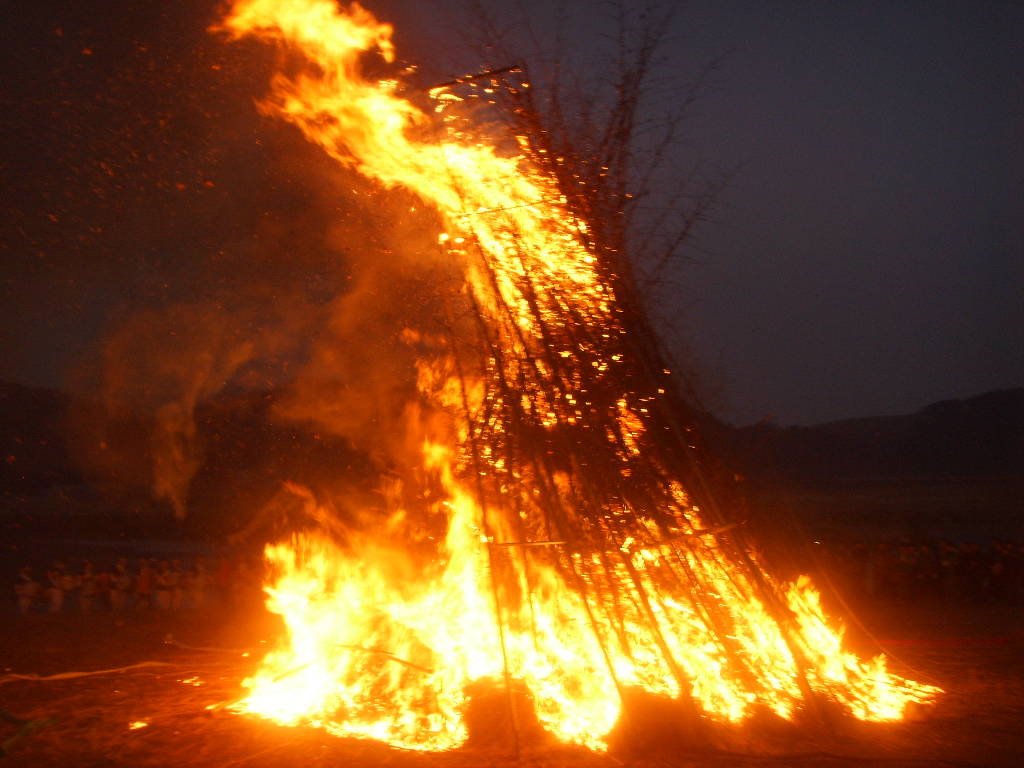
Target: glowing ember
[(553, 437)]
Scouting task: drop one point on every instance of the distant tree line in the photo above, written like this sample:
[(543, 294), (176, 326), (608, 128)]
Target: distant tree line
[(52, 456)]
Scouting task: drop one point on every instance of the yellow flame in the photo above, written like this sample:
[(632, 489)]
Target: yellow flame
[(382, 648)]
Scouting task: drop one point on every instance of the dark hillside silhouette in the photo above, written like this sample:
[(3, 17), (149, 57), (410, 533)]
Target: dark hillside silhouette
[(67, 457), (33, 440), (981, 437), (916, 466)]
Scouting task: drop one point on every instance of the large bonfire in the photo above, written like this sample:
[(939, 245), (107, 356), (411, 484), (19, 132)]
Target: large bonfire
[(584, 554)]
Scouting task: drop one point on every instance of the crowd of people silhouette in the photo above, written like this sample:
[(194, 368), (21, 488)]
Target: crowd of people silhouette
[(163, 585), (964, 572)]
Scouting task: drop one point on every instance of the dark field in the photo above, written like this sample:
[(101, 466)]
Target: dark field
[(976, 653)]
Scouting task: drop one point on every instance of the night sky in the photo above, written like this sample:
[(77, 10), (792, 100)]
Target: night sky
[(865, 257)]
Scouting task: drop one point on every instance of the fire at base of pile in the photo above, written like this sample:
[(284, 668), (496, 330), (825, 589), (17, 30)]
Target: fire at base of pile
[(377, 650)]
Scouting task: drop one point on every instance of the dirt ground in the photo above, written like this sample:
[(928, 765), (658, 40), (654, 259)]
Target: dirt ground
[(975, 653)]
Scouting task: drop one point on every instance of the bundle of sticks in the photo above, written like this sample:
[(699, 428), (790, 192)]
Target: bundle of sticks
[(578, 443)]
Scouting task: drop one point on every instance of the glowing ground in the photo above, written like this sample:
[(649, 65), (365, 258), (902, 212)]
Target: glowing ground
[(979, 722)]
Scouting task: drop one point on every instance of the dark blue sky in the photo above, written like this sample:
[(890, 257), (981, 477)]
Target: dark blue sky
[(865, 259), (871, 253)]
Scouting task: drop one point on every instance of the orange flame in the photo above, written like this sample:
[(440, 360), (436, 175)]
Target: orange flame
[(380, 648)]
